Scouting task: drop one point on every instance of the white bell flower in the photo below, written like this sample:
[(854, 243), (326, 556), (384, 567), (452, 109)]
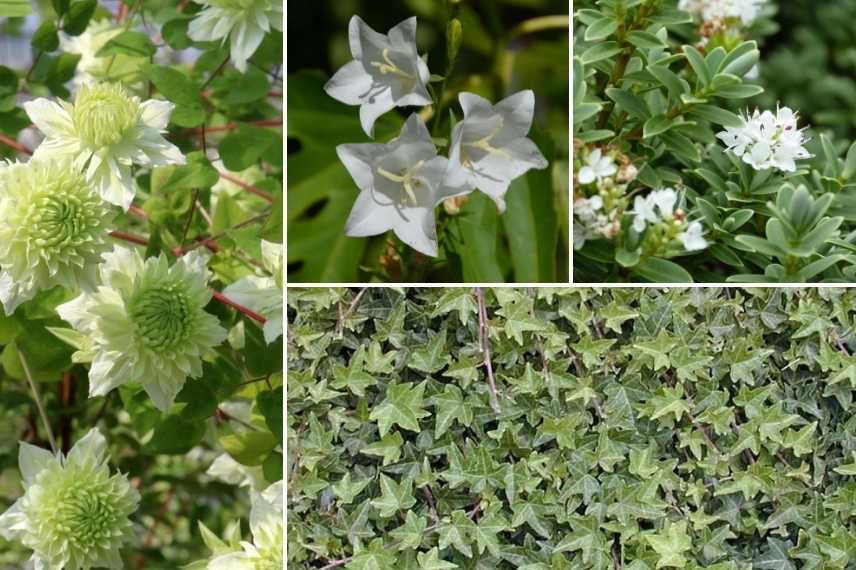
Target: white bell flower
[(400, 183), (263, 295), (146, 324), (766, 140), (243, 22), (74, 513), (386, 72), (106, 131), (692, 237), (489, 147), (598, 166)]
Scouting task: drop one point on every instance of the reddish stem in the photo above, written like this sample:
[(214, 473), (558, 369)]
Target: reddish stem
[(248, 187), (129, 237), (240, 308), (231, 126), (12, 143)]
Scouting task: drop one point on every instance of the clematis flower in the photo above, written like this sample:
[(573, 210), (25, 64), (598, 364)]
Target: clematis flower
[(598, 166), (263, 294), (243, 22), (765, 140), (386, 72), (53, 230), (265, 552), (489, 147), (105, 132), (145, 324), (400, 183), (74, 513)]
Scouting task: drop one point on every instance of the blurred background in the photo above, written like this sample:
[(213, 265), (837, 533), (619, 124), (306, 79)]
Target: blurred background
[(508, 46)]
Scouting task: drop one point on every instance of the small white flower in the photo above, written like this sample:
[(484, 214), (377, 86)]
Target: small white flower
[(265, 552), (74, 513), (263, 295), (765, 140), (598, 166), (710, 10), (489, 147), (145, 324), (692, 238), (243, 22), (105, 132), (386, 72), (653, 208), (589, 220), (53, 230), (400, 183)]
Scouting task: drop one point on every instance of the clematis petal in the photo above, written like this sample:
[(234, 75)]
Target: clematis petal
[(32, 460), (49, 117), (155, 113)]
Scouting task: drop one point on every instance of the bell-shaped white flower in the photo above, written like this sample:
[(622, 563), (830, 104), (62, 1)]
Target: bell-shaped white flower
[(400, 183), (243, 22), (692, 237), (598, 166), (53, 230), (265, 552), (386, 72), (766, 140), (489, 147), (263, 295), (74, 513), (106, 131), (146, 324)]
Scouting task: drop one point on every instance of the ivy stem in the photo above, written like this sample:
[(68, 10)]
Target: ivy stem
[(38, 398), (484, 345)]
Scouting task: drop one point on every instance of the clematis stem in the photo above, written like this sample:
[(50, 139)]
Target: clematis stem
[(238, 307), (38, 398), (248, 187), (12, 143)]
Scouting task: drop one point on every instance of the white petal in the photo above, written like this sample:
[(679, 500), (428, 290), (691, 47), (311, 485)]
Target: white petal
[(357, 159), (50, 118), (155, 113), (349, 84), (369, 216), (373, 108), (415, 227), (102, 377), (92, 445), (586, 175), (517, 111), (32, 460), (472, 104)]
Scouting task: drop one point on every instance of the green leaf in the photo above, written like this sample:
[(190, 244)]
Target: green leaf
[(347, 491), (456, 532), (656, 125), (668, 78), (45, 37), (78, 16), (697, 62), (633, 104), (716, 115), (249, 448), (599, 51), (658, 270), (129, 42), (389, 447), (394, 497), (601, 29), (271, 404), (671, 544), (174, 436), (402, 406), (430, 561), (410, 534), (645, 40)]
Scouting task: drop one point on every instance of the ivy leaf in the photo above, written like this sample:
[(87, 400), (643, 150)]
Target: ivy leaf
[(402, 406), (430, 561), (394, 497), (432, 357), (375, 557), (518, 319), (448, 407), (389, 447), (487, 529), (456, 532), (670, 544), (586, 537), (410, 534), (456, 299), (348, 490)]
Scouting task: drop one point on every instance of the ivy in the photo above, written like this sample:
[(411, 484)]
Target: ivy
[(634, 429)]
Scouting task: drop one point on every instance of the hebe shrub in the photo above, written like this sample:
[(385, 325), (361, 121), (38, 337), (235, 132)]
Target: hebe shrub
[(632, 428)]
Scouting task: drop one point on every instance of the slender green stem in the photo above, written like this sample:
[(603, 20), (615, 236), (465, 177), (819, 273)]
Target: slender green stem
[(38, 398)]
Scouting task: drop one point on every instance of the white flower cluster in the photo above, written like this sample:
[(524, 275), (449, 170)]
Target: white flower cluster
[(711, 10), (658, 209), (591, 220), (766, 140), (401, 182)]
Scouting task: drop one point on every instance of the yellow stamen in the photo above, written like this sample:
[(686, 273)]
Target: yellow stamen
[(389, 66), (484, 144), (405, 179)]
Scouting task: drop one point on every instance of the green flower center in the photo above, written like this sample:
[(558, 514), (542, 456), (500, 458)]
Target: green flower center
[(104, 113), (61, 220), (163, 317), (271, 559)]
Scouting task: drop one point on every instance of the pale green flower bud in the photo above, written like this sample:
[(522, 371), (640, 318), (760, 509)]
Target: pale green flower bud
[(74, 513), (53, 230)]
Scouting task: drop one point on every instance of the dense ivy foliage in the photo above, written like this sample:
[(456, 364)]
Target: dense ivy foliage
[(493, 49), (666, 91), (630, 429)]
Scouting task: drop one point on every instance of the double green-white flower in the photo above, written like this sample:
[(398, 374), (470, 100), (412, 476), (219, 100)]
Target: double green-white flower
[(74, 513), (145, 324), (243, 22), (265, 552), (105, 132), (53, 230), (263, 294)]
